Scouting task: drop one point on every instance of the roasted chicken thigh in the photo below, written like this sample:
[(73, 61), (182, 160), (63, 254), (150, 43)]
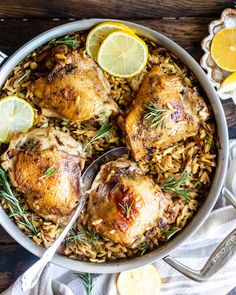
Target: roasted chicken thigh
[(164, 112), (75, 88), (45, 165), (123, 203)]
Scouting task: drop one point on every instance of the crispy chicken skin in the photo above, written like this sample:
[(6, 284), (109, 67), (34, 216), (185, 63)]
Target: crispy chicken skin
[(75, 88), (123, 203), (28, 158), (183, 107)]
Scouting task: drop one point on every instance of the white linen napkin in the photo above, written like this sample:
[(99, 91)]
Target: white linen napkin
[(194, 253)]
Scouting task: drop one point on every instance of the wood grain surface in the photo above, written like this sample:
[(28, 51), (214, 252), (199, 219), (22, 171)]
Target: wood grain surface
[(180, 30), (184, 21), (131, 9)]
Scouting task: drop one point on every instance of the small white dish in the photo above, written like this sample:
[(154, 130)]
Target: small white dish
[(215, 73)]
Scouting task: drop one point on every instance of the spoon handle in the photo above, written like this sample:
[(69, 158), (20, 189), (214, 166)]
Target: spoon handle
[(31, 276)]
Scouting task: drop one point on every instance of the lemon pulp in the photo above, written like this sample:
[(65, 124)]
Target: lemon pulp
[(122, 54), (145, 280), (229, 84), (223, 49), (16, 115), (98, 34)]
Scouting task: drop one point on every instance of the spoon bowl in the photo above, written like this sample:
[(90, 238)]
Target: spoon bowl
[(92, 170)]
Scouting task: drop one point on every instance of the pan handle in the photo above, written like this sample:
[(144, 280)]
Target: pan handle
[(229, 196), (222, 254), (3, 57)]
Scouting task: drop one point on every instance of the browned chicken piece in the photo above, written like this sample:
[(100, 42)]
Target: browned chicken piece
[(75, 88), (164, 112), (45, 165), (123, 204)]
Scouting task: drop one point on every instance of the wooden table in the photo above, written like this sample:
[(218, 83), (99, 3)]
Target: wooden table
[(184, 21)]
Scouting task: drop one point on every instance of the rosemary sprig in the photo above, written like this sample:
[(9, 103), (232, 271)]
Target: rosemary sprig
[(173, 185), (144, 247), (15, 207), (102, 132), (155, 115), (83, 236), (72, 41), (50, 171), (208, 140), (23, 77), (126, 208), (170, 233), (87, 281)]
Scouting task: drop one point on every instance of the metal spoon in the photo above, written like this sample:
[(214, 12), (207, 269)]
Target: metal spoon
[(31, 276)]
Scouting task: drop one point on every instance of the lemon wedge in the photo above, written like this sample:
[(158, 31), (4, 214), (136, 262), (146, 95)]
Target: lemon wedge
[(141, 281), (223, 49), (122, 54), (16, 115), (229, 84), (97, 35)]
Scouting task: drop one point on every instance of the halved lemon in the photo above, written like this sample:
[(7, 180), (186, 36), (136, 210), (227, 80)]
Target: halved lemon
[(16, 115), (97, 35), (223, 49), (123, 54), (145, 280), (229, 84)]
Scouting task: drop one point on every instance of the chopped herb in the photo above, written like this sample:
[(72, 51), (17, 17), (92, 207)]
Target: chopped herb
[(170, 233), (144, 247), (83, 236), (23, 77), (102, 132), (173, 185), (155, 115), (50, 171), (208, 140), (87, 281), (127, 209), (69, 41), (15, 207)]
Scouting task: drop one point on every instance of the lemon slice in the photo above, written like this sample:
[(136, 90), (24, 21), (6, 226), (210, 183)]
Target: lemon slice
[(229, 84), (99, 33), (223, 49), (122, 54), (16, 115), (145, 280)]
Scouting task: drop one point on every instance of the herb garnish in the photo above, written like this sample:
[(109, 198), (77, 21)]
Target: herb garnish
[(70, 41), (15, 207), (144, 247), (50, 171), (155, 115), (102, 132), (87, 280), (83, 236), (126, 208), (169, 233), (208, 140), (173, 185)]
